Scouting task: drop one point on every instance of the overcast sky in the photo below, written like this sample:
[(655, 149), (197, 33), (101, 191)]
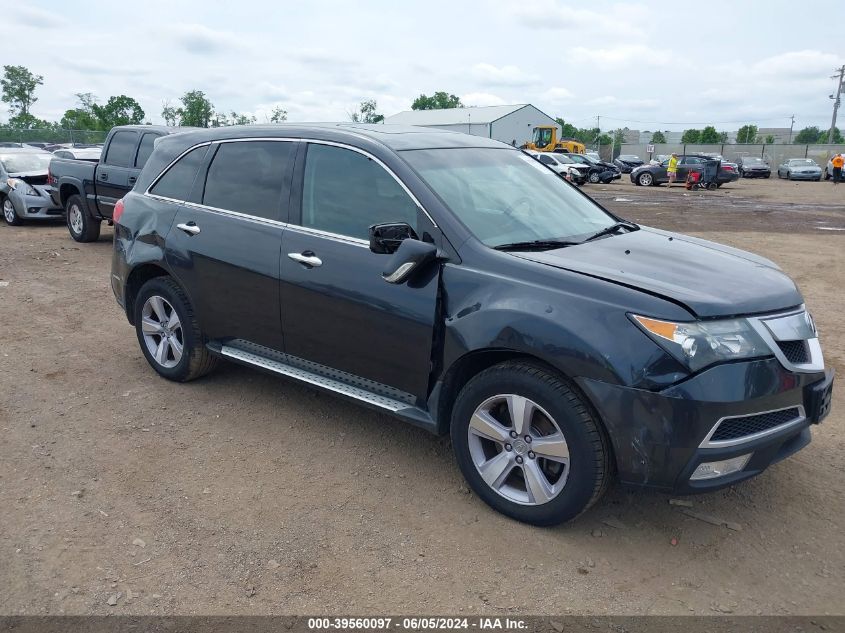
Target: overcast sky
[(646, 65)]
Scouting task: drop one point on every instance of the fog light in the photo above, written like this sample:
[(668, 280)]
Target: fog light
[(711, 470)]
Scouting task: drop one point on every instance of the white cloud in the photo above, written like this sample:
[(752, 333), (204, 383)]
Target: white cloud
[(481, 99), (33, 17), (625, 20), (201, 40), (806, 63), (507, 75), (636, 54)]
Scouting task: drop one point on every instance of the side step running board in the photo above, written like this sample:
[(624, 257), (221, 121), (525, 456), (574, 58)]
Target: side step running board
[(279, 366)]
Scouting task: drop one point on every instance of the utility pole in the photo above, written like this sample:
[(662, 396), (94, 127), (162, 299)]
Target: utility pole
[(791, 125), (836, 99), (598, 135)]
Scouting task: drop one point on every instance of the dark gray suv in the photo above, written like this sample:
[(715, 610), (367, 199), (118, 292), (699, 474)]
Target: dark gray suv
[(462, 286)]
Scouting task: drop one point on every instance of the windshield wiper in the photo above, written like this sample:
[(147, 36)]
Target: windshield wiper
[(535, 245), (612, 229)]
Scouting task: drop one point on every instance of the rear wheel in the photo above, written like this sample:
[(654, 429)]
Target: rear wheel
[(9, 213), (528, 445), (645, 179), (168, 332), (81, 226)]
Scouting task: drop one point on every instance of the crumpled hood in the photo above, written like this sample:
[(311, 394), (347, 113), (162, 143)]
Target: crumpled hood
[(709, 279)]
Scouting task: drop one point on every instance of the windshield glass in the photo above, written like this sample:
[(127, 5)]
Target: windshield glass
[(750, 161), (628, 157), (20, 163), (802, 161), (563, 159), (503, 196)]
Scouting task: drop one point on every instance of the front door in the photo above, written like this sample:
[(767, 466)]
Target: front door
[(337, 310), (224, 242)]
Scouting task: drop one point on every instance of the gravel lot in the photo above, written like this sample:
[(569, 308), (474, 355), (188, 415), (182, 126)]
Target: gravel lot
[(244, 493)]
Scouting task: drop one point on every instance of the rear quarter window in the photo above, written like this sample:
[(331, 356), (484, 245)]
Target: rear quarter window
[(176, 182), (145, 148)]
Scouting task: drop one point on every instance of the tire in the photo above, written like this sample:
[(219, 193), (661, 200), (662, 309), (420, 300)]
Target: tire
[(81, 226), (9, 213), (819, 179), (578, 462), (788, 176), (645, 179), (153, 312), (595, 178), (769, 175)]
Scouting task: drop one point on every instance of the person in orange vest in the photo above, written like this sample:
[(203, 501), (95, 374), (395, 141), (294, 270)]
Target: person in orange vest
[(838, 162)]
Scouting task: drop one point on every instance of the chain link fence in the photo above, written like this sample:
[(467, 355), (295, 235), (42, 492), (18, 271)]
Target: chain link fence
[(52, 135), (774, 154)]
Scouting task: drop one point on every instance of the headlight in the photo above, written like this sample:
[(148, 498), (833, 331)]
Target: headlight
[(698, 344), (14, 183)]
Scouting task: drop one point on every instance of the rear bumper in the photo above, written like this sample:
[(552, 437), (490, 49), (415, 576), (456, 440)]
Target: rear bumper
[(659, 437)]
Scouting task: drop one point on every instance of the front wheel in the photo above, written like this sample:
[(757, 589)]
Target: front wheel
[(169, 334), (646, 179), (9, 213), (81, 226), (528, 445), (595, 178)]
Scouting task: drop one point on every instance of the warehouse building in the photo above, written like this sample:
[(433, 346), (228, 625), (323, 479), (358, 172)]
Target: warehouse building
[(506, 123)]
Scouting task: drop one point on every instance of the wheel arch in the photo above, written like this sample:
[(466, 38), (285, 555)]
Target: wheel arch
[(140, 275), (68, 189)]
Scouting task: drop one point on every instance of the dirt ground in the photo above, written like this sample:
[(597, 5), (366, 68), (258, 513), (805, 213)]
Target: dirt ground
[(245, 493)]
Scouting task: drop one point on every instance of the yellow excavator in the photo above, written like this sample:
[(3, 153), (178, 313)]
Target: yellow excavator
[(545, 140)]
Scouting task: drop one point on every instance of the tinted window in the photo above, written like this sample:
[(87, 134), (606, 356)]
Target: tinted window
[(178, 180), (145, 149), (547, 160), (247, 177), (345, 192), (62, 154), (121, 150)]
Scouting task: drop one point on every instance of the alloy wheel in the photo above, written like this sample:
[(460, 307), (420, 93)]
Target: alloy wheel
[(8, 211), (645, 179), (74, 218), (162, 331), (518, 449)]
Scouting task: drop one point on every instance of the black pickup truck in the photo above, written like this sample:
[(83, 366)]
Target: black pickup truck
[(88, 191)]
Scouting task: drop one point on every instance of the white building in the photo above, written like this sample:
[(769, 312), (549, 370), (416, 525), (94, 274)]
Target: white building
[(506, 123)]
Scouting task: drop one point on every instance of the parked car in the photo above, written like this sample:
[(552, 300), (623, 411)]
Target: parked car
[(599, 171), (563, 165), (450, 281), (647, 175), (753, 167), (828, 170), (731, 165), (24, 194), (88, 191), (800, 169), (627, 162), (594, 155), (91, 154)]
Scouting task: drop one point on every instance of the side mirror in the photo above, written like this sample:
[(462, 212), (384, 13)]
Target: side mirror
[(411, 256), (386, 238)]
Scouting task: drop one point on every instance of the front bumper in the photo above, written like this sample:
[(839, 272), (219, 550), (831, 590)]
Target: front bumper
[(805, 176), (38, 207), (659, 437)]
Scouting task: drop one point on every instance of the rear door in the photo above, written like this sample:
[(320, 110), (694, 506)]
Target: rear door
[(113, 172), (337, 310), (225, 240)]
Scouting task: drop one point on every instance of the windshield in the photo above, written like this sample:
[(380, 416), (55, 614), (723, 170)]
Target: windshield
[(628, 157), (802, 161), (503, 196), (752, 161), (24, 162), (563, 159)]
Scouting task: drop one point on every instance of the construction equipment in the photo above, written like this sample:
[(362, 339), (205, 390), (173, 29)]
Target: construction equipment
[(545, 140)]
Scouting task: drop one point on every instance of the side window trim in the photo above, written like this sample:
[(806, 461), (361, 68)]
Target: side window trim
[(148, 191)]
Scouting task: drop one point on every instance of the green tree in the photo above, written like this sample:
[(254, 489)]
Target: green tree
[(807, 135), (709, 135), (367, 113), (196, 110), (658, 137), (19, 91), (747, 134), (278, 115), (81, 117), (119, 110), (567, 129), (437, 101), (691, 136), (169, 114), (837, 136)]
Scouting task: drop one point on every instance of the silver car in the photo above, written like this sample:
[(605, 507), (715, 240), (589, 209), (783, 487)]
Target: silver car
[(24, 192), (800, 169)]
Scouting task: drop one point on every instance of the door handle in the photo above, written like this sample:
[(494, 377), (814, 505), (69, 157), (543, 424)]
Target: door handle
[(307, 258), (190, 228), (132, 179), (104, 176)]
